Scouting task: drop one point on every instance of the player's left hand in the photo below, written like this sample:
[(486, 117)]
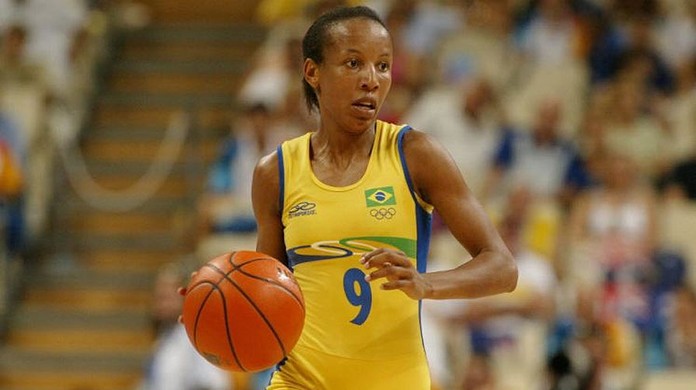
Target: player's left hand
[(398, 270)]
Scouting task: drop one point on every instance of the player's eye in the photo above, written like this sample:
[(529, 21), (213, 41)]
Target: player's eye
[(383, 66), (352, 63)]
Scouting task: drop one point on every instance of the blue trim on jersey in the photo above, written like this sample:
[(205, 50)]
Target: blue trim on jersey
[(423, 218), (281, 172), (420, 325), (423, 226), (402, 157)]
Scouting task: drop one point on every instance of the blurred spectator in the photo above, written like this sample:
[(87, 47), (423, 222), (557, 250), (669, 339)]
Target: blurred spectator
[(175, 363), (676, 32), (22, 90), (482, 47), (604, 44), (512, 329), (567, 84), (613, 237), (577, 364), (590, 137), (407, 76), (634, 131), (225, 206), (466, 121), (540, 160), (610, 266), (11, 136), (680, 183), (269, 81), (82, 55), (681, 333), (430, 23), (11, 185), (23, 93), (624, 42), (52, 25), (277, 64), (679, 112), (667, 276), (478, 374), (14, 63), (560, 373), (87, 50), (593, 356), (553, 41), (640, 57), (553, 34)]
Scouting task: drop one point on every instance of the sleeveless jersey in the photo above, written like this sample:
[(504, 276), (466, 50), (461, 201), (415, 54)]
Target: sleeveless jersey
[(356, 336)]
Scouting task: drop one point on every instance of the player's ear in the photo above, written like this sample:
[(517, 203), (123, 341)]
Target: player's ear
[(311, 73)]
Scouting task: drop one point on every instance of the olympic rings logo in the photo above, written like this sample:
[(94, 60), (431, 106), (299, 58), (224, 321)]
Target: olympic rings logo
[(383, 213)]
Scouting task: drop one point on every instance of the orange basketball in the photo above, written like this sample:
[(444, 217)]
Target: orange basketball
[(243, 311)]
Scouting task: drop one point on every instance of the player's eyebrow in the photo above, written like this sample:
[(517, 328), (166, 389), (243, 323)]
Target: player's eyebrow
[(356, 51)]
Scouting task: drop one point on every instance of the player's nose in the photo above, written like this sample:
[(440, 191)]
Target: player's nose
[(368, 79)]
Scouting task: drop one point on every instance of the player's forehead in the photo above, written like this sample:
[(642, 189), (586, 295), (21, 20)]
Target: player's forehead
[(357, 34)]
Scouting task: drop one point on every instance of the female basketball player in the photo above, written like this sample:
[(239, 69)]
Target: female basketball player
[(348, 208)]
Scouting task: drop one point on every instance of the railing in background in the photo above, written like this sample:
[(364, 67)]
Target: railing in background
[(137, 194)]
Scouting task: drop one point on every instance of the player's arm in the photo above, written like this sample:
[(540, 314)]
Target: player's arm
[(438, 181), (265, 191)]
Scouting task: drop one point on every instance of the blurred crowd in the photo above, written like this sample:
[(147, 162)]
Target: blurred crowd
[(34, 75), (50, 53), (574, 123)]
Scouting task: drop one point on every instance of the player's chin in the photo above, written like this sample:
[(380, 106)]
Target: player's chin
[(363, 122)]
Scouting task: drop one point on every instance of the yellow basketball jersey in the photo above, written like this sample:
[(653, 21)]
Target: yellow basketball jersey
[(356, 336)]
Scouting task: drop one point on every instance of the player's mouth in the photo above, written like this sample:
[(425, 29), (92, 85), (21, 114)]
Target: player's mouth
[(365, 105)]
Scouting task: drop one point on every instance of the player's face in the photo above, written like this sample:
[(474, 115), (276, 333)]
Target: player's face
[(355, 76)]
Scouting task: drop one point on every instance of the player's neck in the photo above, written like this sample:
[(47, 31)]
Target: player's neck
[(342, 146)]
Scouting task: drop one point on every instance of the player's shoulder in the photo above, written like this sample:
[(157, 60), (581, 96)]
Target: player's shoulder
[(425, 157), (419, 144), (267, 168)]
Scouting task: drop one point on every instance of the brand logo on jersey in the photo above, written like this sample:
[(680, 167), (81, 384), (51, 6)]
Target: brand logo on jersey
[(381, 196), (301, 209)]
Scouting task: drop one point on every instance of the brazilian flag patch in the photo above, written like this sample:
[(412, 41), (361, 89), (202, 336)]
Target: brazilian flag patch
[(381, 196)]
